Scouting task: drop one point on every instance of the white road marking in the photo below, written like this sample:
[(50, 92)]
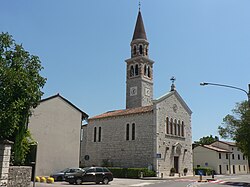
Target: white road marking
[(141, 184)]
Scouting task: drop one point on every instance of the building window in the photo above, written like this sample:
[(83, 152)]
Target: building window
[(219, 155), (131, 71), (167, 125), (243, 157), (226, 156), (133, 131), (140, 49), (134, 50), (149, 75), (238, 156), (175, 127), (147, 51), (127, 132), (244, 168), (145, 70), (95, 134), (239, 167), (136, 69), (179, 128), (233, 156), (171, 126), (100, 134), (227, 168), (182, 128)]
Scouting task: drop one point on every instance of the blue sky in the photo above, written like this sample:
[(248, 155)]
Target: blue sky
[(82, 45)]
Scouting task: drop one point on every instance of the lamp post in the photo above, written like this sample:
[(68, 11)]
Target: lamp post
[(228, 86)]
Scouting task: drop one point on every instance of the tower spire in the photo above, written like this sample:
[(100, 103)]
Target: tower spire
[(139, 32)]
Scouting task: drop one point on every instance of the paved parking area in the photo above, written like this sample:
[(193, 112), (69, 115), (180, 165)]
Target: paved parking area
[(116, 182)]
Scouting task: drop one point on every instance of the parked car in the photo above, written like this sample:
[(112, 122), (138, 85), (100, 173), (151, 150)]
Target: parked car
[(90, 174), (60, 176)]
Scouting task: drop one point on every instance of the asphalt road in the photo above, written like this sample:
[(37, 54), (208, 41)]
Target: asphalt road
[(223, 181)]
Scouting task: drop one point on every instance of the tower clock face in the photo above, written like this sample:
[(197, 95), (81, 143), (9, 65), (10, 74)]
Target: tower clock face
[(147, 91), (133, 91)]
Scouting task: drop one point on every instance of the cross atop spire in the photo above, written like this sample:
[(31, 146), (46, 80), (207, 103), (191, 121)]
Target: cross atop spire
[(139, 5)]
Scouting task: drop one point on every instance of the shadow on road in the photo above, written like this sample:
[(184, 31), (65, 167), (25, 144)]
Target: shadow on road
[(236, 183)]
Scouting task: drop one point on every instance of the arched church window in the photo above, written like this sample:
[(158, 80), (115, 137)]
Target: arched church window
[(179, 128), (149, 72), (167, 125), (182, 128), (147, 51), (175, 127), (127, 132), (95, 134), (171, 126), (134, 50), (136, 69), (100, 134), (133, 131), (140, 48), (145, 69), (131, 71)]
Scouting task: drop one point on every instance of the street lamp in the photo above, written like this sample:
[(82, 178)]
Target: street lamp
[(228, 86)]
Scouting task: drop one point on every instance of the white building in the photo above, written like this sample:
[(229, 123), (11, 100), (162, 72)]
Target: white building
[(222, 157), (56, 125)]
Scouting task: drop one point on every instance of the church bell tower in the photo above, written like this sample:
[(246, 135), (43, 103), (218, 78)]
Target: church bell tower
[(139, 78)]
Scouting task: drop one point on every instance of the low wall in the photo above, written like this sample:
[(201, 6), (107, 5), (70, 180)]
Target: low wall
[(5, 152), (19, 176)]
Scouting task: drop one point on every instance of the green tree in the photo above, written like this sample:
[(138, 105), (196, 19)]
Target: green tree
[(237, 127), (20, 91), (206, 140)]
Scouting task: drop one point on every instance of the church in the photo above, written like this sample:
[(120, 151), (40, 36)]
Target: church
[(149, 133)]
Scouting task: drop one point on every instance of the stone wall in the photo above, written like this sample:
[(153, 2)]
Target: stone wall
[(114, 147), (19, 176), (5, 152)]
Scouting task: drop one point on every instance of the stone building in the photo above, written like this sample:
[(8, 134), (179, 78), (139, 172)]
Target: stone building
[(152, 133)]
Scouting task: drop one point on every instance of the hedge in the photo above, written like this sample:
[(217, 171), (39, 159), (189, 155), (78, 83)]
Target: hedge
[(205, 170), (134, 173)]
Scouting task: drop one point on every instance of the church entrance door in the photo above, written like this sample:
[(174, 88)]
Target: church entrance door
[(176, 164)]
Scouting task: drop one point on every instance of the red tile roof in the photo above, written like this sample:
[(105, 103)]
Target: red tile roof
[(123, 112)]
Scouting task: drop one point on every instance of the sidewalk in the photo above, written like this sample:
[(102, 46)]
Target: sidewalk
[(193, 177)]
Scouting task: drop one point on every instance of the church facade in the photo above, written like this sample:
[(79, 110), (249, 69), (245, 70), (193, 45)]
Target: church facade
[(152, 133)]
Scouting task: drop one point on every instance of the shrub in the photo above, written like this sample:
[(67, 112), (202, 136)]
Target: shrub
[(204, 170), (131, 172), (185, 170), (172, 170)]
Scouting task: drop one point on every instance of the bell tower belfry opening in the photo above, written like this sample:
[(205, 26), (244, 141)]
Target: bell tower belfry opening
[(139, 76)]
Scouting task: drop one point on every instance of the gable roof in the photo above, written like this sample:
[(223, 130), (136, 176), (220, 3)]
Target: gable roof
[(123, 112), (84, 115), (227, 143), (213, 148), (174, 92)]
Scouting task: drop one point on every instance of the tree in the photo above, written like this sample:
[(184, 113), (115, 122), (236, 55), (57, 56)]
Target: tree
[(20, 91), (237, 127), (206, 140)]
